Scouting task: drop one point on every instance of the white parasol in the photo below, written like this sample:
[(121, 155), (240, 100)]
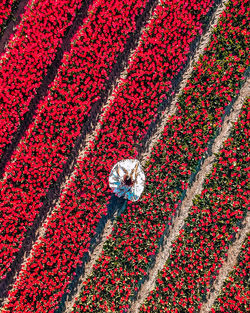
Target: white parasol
[(127, 179)]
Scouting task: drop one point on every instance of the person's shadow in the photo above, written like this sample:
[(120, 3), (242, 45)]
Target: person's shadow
[(116, 204)]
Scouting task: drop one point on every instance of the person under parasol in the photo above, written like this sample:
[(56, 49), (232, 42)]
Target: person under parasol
[(127, 179)]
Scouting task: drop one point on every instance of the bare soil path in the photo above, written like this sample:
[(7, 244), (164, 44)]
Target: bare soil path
[(192, 191), (11, 23), (227, 266), (171, 107)]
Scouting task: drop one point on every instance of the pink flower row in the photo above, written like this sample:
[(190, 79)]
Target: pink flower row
[(83, 202)]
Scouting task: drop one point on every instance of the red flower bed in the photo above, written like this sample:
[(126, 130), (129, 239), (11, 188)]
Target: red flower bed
[(136, 236), (213, 221), (5, 12), (73, 223), (29, 53), (234, 296), (39, 159)]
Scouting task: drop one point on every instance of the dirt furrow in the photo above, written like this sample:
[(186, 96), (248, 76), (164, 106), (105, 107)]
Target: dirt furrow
[(157, 128), (195, 189), (11, 23), (227, 266)]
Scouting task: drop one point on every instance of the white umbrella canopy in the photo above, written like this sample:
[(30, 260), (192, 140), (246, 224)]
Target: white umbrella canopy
[(127, 179)]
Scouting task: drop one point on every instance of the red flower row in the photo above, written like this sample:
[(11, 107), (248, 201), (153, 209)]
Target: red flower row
[(234, 296), (30, 51), (5, 12), (137, 234), (40, 156), (213, 221), (83, 202)]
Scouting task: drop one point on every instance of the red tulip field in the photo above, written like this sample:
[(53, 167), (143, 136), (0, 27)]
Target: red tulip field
[(235, 292), (86, 84)]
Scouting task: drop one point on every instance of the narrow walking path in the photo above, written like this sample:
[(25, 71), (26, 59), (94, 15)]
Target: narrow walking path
[(195, 189), (11, 23), (227, 266), (171, 107)]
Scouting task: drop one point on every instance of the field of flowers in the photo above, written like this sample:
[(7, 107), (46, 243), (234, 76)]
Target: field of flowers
[(69, 65), (137, 234), (214, 219), (234, 295), (25, 62), (41, 154)]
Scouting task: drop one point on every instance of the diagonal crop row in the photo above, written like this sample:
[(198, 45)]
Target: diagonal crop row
[(234, 296), (178, 220), (138, 232), (30, 52), (83, 203), (214, 219), (40, 157)]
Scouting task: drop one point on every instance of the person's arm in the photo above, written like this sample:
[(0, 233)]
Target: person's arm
[(135, 170)]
